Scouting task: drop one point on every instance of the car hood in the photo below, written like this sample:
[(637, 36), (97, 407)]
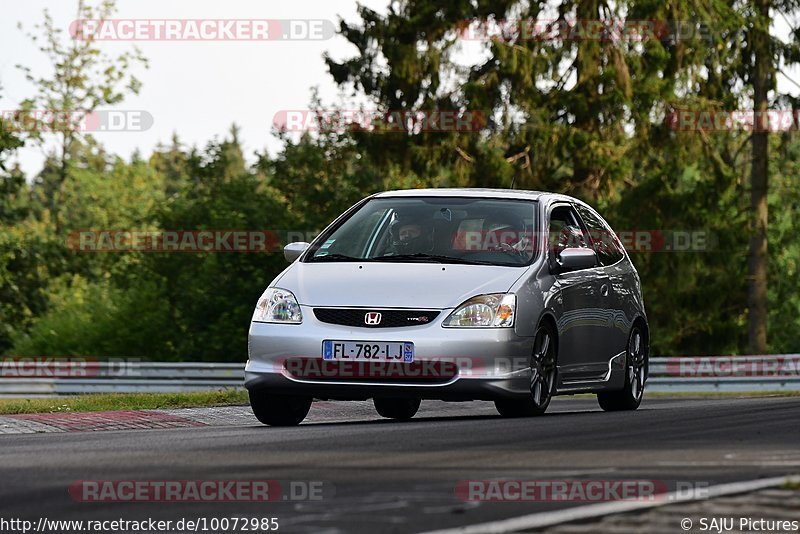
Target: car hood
[(401, 285)]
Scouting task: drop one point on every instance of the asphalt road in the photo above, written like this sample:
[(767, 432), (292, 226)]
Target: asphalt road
[(382, 476)]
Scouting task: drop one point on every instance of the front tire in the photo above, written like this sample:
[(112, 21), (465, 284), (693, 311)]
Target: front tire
[(279, 410), (401, 409), (630, 396), (543, 378)]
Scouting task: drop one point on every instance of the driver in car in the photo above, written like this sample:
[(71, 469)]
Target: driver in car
[(409, 236)]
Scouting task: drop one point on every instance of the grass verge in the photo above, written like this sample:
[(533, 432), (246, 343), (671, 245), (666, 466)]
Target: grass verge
[(123, 401)]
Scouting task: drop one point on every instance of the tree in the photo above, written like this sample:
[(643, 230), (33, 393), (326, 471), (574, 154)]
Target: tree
[(83, 79), (763, 73), (211, 295), (404, 64), (583, 114), (765, 55)]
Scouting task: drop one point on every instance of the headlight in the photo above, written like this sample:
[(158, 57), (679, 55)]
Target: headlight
[(277, 306), (495, 310)]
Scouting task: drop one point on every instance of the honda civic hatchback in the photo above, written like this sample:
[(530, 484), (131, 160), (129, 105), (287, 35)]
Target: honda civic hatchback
[(452, 294)]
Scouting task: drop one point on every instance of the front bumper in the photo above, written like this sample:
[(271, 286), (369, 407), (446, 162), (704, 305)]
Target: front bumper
[(449, 363)]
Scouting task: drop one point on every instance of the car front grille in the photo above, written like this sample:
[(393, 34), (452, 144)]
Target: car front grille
[(365, 317)]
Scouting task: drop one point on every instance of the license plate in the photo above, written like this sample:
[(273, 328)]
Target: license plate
[(401, 351)]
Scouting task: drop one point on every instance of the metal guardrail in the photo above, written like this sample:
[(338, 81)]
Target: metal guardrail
[(119, 377), (674, 374)]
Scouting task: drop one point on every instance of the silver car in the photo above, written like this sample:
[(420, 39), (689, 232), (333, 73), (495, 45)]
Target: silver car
[(454, 294)]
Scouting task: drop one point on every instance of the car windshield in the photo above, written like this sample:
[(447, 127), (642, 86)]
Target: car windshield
[(433, 229)]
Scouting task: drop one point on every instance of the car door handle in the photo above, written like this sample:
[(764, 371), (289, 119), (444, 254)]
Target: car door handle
[(604, 290)]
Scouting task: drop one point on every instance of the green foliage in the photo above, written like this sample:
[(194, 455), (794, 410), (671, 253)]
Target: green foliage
[(165, 306), (578, 116), (96, 319), (784, 248), (9, 142), (125, 401), (318, 178), (694, 298), (212, 295), (587, 117)]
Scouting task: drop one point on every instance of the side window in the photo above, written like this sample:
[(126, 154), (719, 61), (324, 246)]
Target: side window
[(564, 231), (604, 240)]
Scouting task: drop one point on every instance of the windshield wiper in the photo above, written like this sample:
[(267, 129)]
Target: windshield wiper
[(335, 257), (433, 258)]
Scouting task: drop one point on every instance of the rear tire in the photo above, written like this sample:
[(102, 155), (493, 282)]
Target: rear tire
[(279, 410), (401, 409), (630, 396), (543, 378)]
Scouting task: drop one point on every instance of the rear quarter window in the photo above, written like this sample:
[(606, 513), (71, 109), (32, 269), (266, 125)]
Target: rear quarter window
[(604, 241)]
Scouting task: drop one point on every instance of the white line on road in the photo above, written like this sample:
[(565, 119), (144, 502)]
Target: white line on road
[(590, 511)]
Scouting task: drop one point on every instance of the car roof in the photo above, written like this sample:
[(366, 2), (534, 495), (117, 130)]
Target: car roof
[(520, 194)]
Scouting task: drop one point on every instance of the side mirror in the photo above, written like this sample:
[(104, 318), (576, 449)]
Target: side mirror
[(292, 251), (575, 259)]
